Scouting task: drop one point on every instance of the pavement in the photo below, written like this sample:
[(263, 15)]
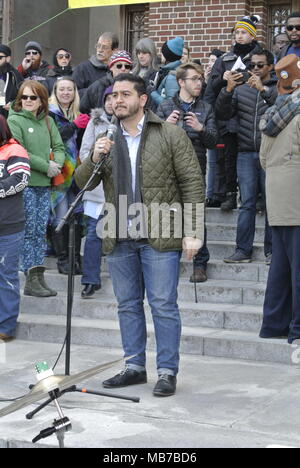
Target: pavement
[(219, 403)]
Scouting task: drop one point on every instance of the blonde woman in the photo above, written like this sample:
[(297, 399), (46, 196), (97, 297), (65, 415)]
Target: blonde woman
[(64, 109)]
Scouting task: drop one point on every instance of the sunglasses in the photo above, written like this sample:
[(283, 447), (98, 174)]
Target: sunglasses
[(31, 52), (252, 65), (61, 56), (291, 28), (121, 65), (24, 97)]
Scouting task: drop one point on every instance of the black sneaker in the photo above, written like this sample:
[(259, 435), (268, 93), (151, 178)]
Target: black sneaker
[(166, 385), (238, 257), (126, 377)]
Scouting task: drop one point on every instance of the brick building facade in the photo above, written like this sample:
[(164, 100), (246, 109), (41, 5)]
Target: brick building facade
[(207, 24)]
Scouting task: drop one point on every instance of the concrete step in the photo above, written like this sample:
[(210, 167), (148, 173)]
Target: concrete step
[(227, 232), (216, 269), (215, 215), (216, 291), (223, 316), (195, 340), (222, 249)]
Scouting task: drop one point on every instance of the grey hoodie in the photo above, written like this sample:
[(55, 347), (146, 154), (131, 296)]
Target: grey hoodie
[(97, 125)]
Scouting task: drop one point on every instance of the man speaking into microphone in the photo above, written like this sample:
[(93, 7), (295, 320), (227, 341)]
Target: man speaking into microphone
[(151, 163)]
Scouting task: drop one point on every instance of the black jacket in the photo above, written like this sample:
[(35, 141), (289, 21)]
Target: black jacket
[(248, 105), (54, 74), (216, 82), (201, 140), (93, 96), (87, 73), (14, 81)]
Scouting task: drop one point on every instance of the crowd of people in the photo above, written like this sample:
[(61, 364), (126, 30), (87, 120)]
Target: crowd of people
[(208, 118)]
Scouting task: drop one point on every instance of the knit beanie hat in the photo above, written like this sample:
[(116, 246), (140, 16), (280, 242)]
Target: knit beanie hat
[(32, 45), (249, 24), (5, 50), (120, 56), (106, 93), (172, 50)]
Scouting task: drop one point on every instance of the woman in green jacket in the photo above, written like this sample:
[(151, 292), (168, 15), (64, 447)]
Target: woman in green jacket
[(37, 133)]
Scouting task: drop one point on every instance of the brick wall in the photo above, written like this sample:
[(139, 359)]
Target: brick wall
[(204, 24)]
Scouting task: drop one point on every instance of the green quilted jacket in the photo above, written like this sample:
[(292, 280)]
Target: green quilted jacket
[(170, 177)]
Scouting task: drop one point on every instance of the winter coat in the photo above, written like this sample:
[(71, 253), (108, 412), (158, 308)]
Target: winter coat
[(37, 75), (208, 138), (34, 135), (216, 83), (93, 96), (14, 176), (87, 73), (97, 126), (248, 105), (169, 173), (54, 74), (280, 158), (68, 132), (168, 86), (14, 81)]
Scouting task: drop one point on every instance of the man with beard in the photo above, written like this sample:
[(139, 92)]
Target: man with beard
[(293, 33), (10, 80), (152, 163), (236, 60), (33, 67)]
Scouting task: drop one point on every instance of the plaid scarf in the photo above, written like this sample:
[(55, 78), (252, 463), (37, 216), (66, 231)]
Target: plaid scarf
[(281, 114)]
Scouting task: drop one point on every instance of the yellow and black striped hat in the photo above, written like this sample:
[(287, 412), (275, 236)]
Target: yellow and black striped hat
[(249, 24)]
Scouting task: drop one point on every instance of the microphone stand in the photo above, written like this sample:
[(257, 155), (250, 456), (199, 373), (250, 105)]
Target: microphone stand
[(70, 218)]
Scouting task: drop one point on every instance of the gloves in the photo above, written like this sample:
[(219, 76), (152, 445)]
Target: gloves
[(82, 120), (54, 169)]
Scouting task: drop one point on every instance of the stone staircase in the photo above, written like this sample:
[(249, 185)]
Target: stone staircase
[(224, 323)]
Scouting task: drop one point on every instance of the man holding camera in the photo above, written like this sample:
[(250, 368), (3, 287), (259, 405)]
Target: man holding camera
[(248, 102), (245, 43), (196, 117)]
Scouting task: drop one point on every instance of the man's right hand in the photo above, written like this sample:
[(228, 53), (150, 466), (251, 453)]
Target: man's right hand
[(26, 63), (174, 117), (102, 146), (233, 79)]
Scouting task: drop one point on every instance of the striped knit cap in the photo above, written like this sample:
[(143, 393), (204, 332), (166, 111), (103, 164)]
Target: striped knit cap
[(120, 56), (247, 24)]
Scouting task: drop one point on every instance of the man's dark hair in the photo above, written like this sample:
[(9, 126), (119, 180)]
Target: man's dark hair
[(138, 82), (295, 14), (269, 56), (113, 37)]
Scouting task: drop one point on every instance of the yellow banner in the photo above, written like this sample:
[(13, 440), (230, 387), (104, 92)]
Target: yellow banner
[(97, 3)]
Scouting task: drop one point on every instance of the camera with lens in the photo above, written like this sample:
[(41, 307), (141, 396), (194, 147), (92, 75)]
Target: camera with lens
[(245, 73)]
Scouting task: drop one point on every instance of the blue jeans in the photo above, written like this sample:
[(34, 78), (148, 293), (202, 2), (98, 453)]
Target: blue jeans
[(211, 173), (10, 247), (251, 176), (91, 267), (135, 267)]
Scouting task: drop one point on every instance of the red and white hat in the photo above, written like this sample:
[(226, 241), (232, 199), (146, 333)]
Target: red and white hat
[(120, 56)]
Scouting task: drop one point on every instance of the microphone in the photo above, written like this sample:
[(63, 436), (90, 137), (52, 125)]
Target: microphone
[(111, 130)]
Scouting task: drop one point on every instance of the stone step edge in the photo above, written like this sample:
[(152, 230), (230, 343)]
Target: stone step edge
[(218, 343), (191, 305)]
